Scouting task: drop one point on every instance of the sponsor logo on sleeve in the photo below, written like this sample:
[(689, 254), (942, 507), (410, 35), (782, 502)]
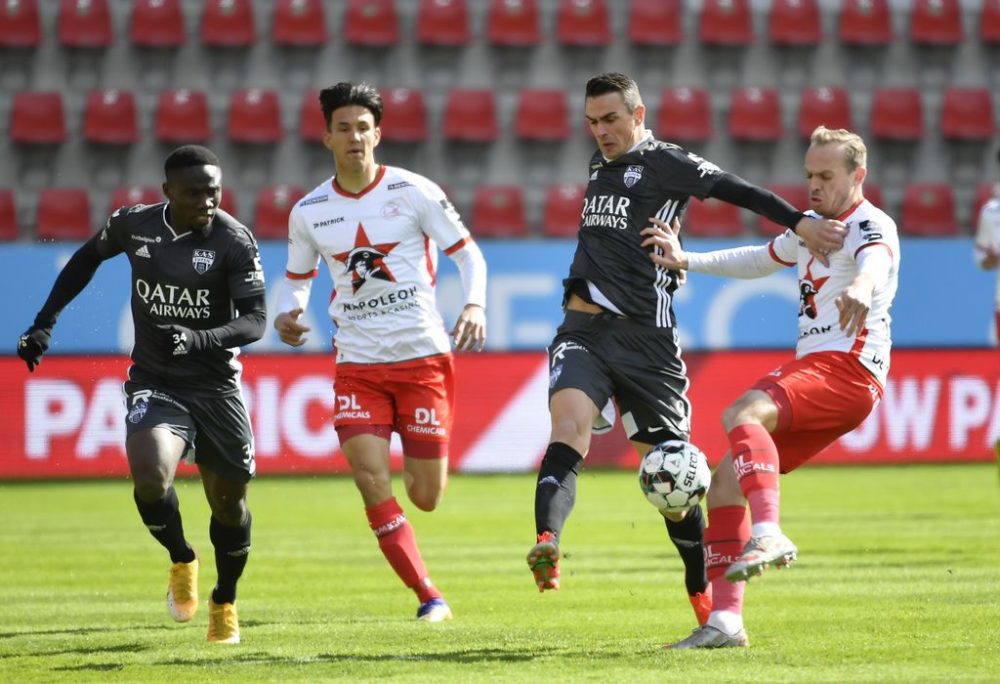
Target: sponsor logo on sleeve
[(314, 200)]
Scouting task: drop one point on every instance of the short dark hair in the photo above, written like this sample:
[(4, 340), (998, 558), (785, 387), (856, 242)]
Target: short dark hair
[(345, 93), (190, 155), (614, 82)]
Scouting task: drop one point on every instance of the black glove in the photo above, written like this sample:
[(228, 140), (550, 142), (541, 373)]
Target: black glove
[(32, 344), (180, 341)]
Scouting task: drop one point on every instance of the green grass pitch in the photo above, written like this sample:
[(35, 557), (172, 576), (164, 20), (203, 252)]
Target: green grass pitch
[(897, 582)]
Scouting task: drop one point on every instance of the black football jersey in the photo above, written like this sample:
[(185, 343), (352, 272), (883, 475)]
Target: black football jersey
[(189, 279), (656, 179)]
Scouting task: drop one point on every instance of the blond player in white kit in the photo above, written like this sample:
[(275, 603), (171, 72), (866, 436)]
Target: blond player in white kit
[(797, 410), (379, 229)]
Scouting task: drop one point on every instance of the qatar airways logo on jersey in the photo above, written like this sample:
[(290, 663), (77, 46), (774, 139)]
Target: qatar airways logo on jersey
[(606, 211), (171, 301)]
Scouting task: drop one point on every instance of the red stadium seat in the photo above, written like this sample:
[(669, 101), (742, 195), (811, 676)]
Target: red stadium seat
[(109, 118), (182, 117), (866, 23), (655, 22), (37, 118), (822, 106), (19, 24), (371, 23), (989, 22), (897, 114), (228, 202), (928, 209), (873, 193), (726, 22), (984, 193), (562, 211), (63, 214), (583, 23), (685, 114), (967, 114), (711, 218), (255, 117), (755, 114), (542, 114), (404, 116), (299, 23), (85, 24), (157, 23), (796, 194), (131, 195), (470, 116), (273, 205), (513, 23), (443, 22), (312, 127), (8, 216), (795, 23), (936, 22), (498, 212), (228, 23)]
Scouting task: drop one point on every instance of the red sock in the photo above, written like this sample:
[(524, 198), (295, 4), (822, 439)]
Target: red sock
[(755, 462), (399, 546), (727, 533)]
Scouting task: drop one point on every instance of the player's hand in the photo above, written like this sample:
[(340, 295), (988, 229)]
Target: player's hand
[(990, 256), (666, 239), (854, 303), (470, 329), (290, 331), (178, 340), (822, 237), (33, 344)]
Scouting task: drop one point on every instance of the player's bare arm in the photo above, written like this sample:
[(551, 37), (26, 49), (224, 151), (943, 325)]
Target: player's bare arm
[(290, 331), (854, 304), (469, 332), (666, 238)]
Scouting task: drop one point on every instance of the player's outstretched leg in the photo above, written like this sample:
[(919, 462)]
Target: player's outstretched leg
[(688, 536), (555, 494), (760, 552), (543, 559), (232, 550), (162, 518)]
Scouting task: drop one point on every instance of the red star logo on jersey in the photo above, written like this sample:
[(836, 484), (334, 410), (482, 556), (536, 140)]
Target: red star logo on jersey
[(809, 287), (366, 260)]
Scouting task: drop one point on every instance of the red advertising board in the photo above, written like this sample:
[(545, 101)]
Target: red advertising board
[(67, 418)]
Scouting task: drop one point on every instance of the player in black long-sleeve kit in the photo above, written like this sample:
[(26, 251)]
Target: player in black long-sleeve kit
[(618, 338), (197, 295)]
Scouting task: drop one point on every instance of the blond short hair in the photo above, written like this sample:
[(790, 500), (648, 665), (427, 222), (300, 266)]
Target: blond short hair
[(855, 152)]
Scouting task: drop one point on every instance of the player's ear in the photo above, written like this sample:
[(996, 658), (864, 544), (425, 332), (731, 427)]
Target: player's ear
[(639, 114), (860, 174), (378, 136), (166, 189)]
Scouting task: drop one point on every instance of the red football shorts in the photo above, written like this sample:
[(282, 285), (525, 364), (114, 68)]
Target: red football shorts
[(415, 398), (820, 397)]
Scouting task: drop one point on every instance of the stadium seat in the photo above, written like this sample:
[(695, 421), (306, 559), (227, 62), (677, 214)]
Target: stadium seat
[(542, 114), (755, 114), (182, 117), (8, 216), (726, 22), (498, 212), (131, 195), (796, 194), (157, 24), (936, 22), (583, 23), (228, 202), (513, 23), (897, 114), (85, 24), (655, 23), (929, 210), (823, 106), (270, 219), (254, 117), (371, 23), (109, 118), (795, 23), (37, 118), (984, 193), (873, 193), (228, 23), (685, 114), (298, 23), (19, 24), (312, 127), (865, 23), (989, 22), (443, 22), (711, 218), (63, 214), (967, 114), (470, 116), (562, 210), (404, 116)]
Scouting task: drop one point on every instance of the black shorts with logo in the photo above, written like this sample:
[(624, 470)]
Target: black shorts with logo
[(216, 428), (610, 356)]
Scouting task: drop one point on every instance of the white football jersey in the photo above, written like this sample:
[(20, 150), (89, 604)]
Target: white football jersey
[(381, 246), (868, 227), (988, 233)]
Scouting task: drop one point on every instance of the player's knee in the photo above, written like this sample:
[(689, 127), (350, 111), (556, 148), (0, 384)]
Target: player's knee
[(150, 484), (425, 495)]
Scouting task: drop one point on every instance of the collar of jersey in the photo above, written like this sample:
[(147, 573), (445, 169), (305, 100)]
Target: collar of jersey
[(365, 190)]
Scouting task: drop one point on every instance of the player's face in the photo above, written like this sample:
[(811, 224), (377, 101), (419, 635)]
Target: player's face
[(833, 187), (614, 128), (352, 137), (194, 193)]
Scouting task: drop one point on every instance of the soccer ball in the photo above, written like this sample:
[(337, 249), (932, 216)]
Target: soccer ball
[(674, 475)]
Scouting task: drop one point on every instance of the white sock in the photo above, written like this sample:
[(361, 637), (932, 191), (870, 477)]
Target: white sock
[(765, 529), (726, 621)]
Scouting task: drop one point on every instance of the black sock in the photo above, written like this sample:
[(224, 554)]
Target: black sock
[(232, 547), (688, 536), (163, 520), (555, 491)]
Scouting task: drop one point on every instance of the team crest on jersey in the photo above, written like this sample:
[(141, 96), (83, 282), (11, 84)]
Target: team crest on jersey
[(202, 260), (366, 260), (633, 174), (138, 412), (809, 287)]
